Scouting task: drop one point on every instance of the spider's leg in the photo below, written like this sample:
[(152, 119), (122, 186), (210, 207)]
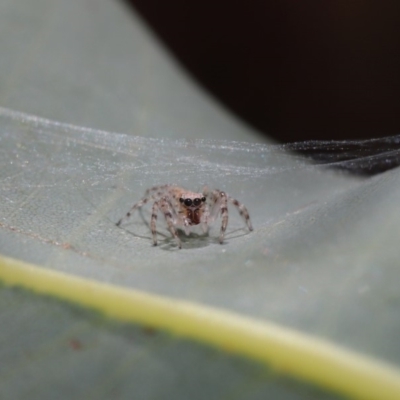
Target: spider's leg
[(213, 199), (242, 211), (137, 205), (205, 220), (166, 209), (206, 191), (218, 204), (157, 190), (153, 221), (154, 193), (224, 215)]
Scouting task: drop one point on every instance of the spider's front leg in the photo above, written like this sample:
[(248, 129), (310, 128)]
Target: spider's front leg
[(218, 205), (205, 220), (166, 209)]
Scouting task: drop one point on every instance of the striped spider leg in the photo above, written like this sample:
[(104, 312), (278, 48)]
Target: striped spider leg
[(219, 206)]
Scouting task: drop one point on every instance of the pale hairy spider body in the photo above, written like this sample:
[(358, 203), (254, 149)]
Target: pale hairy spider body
[(185, 209)]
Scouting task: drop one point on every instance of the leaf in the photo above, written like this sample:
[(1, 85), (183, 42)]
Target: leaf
[(322, 260)]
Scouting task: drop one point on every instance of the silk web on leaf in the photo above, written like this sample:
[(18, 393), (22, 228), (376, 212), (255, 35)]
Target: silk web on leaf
[(64, 188)]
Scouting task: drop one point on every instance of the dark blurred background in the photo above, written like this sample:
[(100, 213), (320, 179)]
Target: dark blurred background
[(295, 70)]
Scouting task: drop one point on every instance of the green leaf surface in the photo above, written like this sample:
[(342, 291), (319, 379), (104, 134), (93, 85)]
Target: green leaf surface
[(68, 352), (322, 259)]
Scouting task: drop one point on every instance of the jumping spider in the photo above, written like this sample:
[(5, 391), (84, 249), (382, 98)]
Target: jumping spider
[(184, 209)]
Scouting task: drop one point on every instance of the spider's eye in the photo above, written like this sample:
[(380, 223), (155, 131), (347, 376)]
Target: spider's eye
[(196, 202), (188, 202), (203, 199), (181, 200)]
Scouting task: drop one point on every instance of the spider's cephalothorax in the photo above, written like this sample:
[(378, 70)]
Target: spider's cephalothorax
[(183, 209), (192, 207)]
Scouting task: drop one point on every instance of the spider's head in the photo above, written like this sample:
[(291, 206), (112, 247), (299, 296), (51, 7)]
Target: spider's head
[(192, 203), (192, 207)]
